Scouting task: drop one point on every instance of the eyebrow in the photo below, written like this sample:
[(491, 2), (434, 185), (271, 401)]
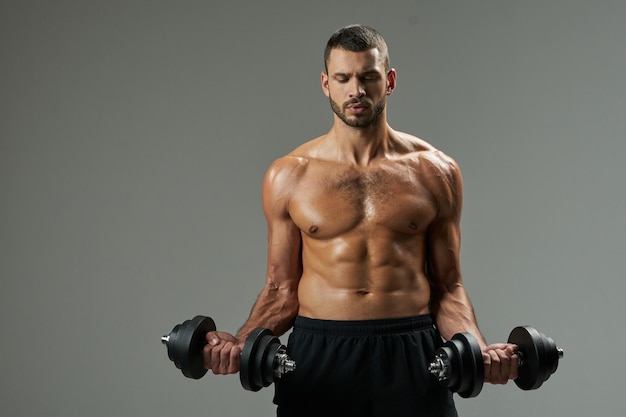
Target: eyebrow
[(367, 72)]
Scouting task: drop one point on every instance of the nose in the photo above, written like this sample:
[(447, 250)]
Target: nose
[(357, 90)]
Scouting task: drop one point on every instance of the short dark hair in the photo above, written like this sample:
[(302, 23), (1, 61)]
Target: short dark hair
[(357, 38)]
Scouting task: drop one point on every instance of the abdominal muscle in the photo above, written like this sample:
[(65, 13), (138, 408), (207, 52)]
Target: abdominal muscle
[(385, 280)]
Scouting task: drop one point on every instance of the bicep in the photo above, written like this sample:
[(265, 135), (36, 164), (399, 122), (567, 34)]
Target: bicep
[(444, 234), (284, 264), (444, 250)]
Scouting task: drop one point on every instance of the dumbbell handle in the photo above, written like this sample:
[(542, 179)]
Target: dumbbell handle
[(439, 367), (283, 363)]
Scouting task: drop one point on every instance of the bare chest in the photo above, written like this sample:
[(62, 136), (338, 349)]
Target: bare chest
[(331, 202)]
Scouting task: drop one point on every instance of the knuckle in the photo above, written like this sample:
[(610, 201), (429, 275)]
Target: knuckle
[(234, 353), (225, 350)]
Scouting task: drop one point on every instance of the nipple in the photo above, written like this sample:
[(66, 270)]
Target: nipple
[(412, 226), (313, 229)]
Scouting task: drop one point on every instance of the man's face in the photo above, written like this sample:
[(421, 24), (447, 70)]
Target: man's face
[(357, 85)]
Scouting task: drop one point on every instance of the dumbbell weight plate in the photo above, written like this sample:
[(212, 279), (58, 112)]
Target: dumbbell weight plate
[(268, 368), (263, 361), (457, 372), (249, 371), (185, 345), (553, 354), (534, 368), (473, 371)]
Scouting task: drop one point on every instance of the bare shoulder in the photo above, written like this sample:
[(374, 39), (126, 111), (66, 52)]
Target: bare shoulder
[(284, 174), (441, 164), (422, 151), (407, 143), (439, 171), (291, 166)]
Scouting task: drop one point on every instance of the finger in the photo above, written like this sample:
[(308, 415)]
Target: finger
[(487, 366), (511, 347), (513, 360), (215, 359), (486, 362), (234, 360), (493, 367), (212, 338), (505, 366), (495, 346), (504, 370), (208, 354), (514, 368), (225, 357)]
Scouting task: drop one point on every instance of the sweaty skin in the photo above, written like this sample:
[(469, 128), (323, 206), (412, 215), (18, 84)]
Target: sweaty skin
[(363, 229), (363, 223)]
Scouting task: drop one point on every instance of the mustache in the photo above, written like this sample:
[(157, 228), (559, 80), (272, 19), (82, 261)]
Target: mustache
[(356, 101)]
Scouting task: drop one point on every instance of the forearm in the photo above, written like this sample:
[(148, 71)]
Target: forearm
[(454, 313), (274, 309)]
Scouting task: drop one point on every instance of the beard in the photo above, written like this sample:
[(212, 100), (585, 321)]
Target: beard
[(359, 121)]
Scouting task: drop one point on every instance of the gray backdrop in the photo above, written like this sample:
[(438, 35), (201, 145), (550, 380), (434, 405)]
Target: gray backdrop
[(135, 135)]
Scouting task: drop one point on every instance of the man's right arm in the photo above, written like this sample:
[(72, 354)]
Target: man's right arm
[(277, 305)]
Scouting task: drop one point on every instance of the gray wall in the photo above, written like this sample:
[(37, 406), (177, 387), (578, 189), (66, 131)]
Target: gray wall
[(134, 137)]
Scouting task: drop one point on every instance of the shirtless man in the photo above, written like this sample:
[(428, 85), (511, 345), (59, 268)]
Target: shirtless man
[(363, 257)]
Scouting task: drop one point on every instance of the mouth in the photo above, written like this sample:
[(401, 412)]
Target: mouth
[(357, 108)]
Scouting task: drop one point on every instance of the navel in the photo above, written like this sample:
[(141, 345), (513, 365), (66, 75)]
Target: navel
[(412, 226)]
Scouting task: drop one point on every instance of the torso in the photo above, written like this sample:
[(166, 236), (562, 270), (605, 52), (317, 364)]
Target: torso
[(363, 235)]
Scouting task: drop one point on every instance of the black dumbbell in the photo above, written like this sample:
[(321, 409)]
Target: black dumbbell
[(263, 357), (458, 364)]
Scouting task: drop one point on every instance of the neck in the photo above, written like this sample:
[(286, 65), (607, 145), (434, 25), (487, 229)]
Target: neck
[(361, 145)]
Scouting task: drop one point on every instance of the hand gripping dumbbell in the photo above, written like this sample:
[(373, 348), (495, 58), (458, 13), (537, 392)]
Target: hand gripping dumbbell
[(263, 357), (458, 364)]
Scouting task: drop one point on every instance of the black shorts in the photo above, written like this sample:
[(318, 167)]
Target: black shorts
[(363, 368)]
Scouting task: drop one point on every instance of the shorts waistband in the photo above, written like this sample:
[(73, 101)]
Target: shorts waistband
[(364, 327)]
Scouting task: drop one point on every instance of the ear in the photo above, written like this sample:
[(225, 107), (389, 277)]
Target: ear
[(391, 81), (324, 80)]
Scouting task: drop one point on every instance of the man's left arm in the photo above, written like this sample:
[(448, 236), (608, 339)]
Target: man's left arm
[(450, 303)]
